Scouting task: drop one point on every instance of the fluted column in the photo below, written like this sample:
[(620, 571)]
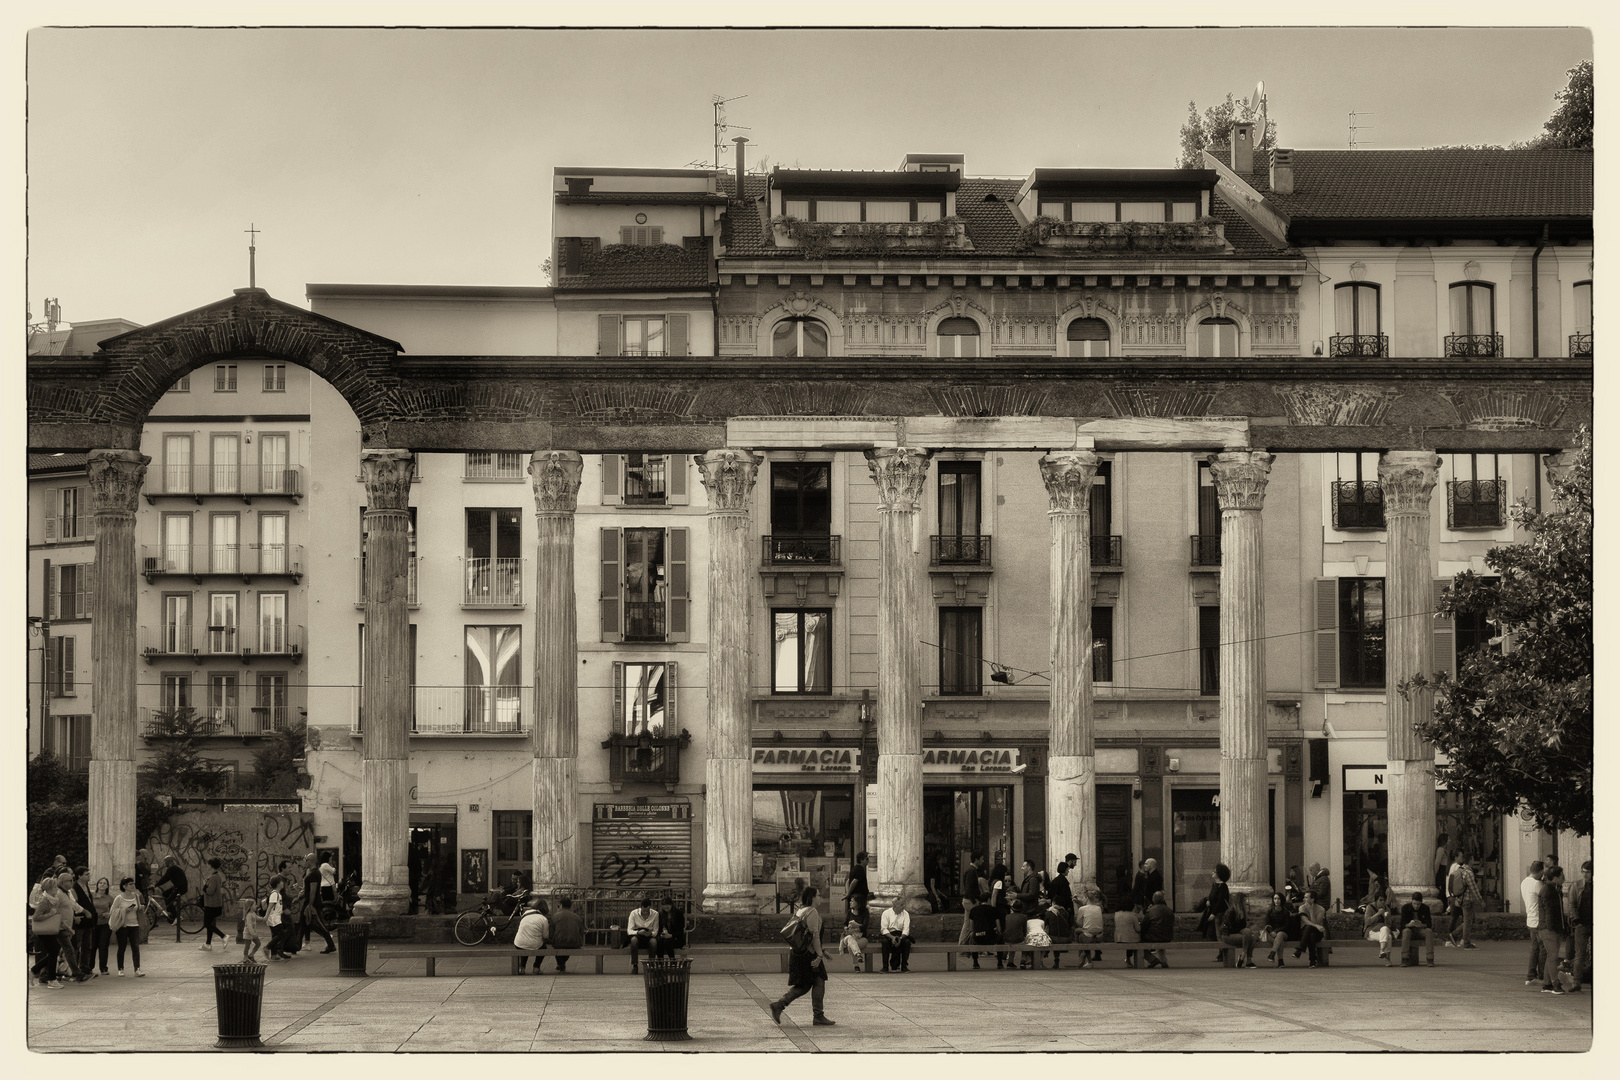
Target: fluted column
[(1407, 478), (728, 809), (899, 473), (1071, 771), (115, 489), (556, 476), (1240, 484), (386, 745)]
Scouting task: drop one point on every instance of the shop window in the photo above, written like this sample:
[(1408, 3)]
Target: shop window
[(961, 824), (514, 847), (644, 585), (958, 337), (1209, 650), (961, 650), (801, 651), (802, 831), (799, 337), (1217, 337), (1088, 337)]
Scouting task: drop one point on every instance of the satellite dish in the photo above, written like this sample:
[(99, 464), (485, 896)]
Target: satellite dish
[(1257, 110)]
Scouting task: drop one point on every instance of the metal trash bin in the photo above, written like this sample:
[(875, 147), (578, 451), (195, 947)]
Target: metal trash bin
[(352, 939), (667, 982), (238, 996)]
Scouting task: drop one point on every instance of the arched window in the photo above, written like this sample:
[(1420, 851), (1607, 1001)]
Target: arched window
[(1473, 320), (1355, 317), (1088, 337), (958, 337), (1217, 337), (799, 336)]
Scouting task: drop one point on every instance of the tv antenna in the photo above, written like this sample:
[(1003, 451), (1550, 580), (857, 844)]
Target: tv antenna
[(1357, 127), (721, 127)]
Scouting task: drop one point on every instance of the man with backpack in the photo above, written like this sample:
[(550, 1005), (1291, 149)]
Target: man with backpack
[(807, 963)]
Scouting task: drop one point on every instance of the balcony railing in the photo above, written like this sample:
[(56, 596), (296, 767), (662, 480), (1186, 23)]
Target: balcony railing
[(788, 549), (1206, 549), (463, 710), (71, 603), (1473, 344), (643, 621), (1475, 504), (63, 527), (1358, 504), (218, 720), (1358, 345), (412, 573), (166, 641), (1581, 345), (494, 465), (277, 638), (645, 759), (494, 583), (248, 560), (247, 481), (1107, 552), (959, 550)]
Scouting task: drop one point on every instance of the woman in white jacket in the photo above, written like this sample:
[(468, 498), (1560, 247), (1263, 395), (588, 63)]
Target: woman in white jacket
[(123, 919)]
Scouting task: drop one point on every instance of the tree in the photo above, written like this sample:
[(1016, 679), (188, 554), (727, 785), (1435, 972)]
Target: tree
[(176, 765), (278, 763), (1516, 721), (1214, 129), (1570, 126)]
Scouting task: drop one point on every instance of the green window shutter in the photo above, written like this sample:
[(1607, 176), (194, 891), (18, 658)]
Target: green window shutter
[(675, 335), (1327, 632), (671, 728), (616, 726), (612, 478), (1445, 632), (675, 468), (607, 336), (678, 625), (612, 584)]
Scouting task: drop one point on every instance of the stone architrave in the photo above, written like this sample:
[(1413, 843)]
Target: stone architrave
[(1240, 478), (1071, 772), (1407, 478), (728, 476), (386, 721), (900, 473), (556, 476), (115, 487)]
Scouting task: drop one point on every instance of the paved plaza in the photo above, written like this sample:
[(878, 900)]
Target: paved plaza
[(1473, 1000)]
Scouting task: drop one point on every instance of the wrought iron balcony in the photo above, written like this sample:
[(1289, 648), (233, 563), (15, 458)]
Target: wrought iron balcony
[(645, 759), (246, 482), (1581, 344), (1358, 345), (211, 721), (1475, 504), (1358, 504), (1473, 344), (791, 549), (494, 583), (360, 580), (644, 620), (1206, 549), (959, 550), (1108, 553), (1207, 235), (202, 560)]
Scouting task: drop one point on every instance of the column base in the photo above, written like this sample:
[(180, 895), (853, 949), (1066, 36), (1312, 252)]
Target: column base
[(377, 900), (1403, 895), (917, 901), (720, 899)]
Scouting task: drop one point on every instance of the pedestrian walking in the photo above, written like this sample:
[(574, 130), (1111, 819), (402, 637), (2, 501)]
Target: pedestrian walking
[(1215, 906), (276, 919), (255, 931), (1417, 921), (84, 925), (1550, 925), (567, 931), (1529, 892), (968, 887), (807, 964), (531, 934), (1580, 924), (49, 906), (101, 939), (1444, 860), (73, 915), (1235, 930), (124, 921), (310, 910), (1158, 925), (213, 902), (642, 926), (328, 888)]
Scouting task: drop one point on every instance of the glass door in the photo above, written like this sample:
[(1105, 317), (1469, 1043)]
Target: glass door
[(1195, 843)]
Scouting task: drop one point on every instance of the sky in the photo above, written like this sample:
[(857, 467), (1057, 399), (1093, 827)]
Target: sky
[(425, 156)]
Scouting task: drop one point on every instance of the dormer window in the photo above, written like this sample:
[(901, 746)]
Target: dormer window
[(852, 210), (641, 235), (1118, 210), (958, 337)]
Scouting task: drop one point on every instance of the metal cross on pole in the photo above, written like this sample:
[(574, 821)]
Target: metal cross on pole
[(252, 254)]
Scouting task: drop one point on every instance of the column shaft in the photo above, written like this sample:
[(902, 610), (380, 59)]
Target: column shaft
[(899, 474), (1240, 484), (556, 475), (1071, 780), (728, 477), (385, 765), (115, 486), (1407, 478)]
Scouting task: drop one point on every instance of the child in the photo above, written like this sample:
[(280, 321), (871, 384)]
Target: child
[(254, 931), (1090, 928), (1128, 928), (274, 919), (854, 942)]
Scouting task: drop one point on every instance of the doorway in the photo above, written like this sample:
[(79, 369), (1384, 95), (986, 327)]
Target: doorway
[(1116, 867), (960, 825), (1195, 842), (432, 864)]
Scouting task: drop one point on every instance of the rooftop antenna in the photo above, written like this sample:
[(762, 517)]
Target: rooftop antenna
[(253, 236), (720, 125), (1357, 127)]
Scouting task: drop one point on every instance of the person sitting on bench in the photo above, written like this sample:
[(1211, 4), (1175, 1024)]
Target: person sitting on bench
[(896, 941), (531, 934), (1158, 924), (642, 926), (1376, 923), (1312, 927), (1416, 919), (1235, 930), (567, 932), (1276, 928)]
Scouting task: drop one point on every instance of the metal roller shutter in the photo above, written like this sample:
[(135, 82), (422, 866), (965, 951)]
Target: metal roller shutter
[(641, 847)]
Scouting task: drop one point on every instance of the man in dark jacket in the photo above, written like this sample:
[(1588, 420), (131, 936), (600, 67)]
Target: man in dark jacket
[(971, 895), (1029, 886), (1416, 920), (1580, 925), (1059, 891), (1550, 925), (567, 932), (986, 924), (172, 886), (1158, 924), (1148, 881)]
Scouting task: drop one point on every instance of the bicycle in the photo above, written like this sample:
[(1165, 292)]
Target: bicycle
[(187, 917), (485, 923)]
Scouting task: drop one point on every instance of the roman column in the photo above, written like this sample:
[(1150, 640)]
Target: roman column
[(1240, 485), (899, 473), (728, 477), (115, 488), (1407, 478), (386, 723), (555, 740)]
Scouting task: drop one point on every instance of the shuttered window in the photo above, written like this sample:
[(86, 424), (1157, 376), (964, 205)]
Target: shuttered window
[(643, 335), (1327, 632), (1361, 633), (1445, 632), (60, 678), (641, 235), (644, 479), (645, 591)]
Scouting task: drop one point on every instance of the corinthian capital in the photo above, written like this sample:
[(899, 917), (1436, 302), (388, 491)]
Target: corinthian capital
[(899, 472), (728, 476), (1407, 478), (115, 480), (1240, 478), (388, 478), (1067, 475), (556, 476)]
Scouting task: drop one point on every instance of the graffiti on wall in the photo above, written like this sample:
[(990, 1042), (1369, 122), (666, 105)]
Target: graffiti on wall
[(249, 843)]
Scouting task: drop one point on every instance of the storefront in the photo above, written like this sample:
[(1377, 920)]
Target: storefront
[(1365, 832), (642, 847), (431, 856), (805, 815), (1191, 805), (971, 810)]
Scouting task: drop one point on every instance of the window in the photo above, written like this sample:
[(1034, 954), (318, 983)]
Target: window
[(71, 590), (222, 622), (1088, 337), (177, 464), (959, 506), (1361, 633), (1217, 337), (644, 479), (176, 623), (641, 235), (800, 337), (1102, 516), (182, 385), (644, 699), (1474, 631), (1356, 318), (1209, 650), (791, 820), (60, 676), (961, 652), (1475, 496), (1119, 210), (275, 477), (67, 738), (849, 210), (176, 692), (644, 585), (270, 701), (1580, 342), (1102, 644), (644, 335), (641, 335), (1473, 320), (176, 544), (275, 378), (1358, 497), (273, 638), (222, 700), (494, 557), (801, 651), (494, 465), (958, 337), (493, 660), (514, 846), (224, 378), (68, 522), (1206, 543), (273, 550), (223, 557)]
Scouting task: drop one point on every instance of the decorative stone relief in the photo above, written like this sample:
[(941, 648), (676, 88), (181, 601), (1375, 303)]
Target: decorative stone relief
[(556, 476), (1315, 405), (811, 399), (631, 401), (1068, 475), (115, 480), (1505, 409), (739, 330), (1169, 402), (899, 473), (1026, 331), (988, 400), (728, 476), (388, 478), (1407, 478), (1240, 478)]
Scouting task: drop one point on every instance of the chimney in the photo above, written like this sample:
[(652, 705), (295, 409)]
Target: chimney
[(1243, 147), (739, 140), (1282, 171)]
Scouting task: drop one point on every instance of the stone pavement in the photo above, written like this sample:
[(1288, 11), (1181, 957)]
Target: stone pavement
[(1473, 1000)]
